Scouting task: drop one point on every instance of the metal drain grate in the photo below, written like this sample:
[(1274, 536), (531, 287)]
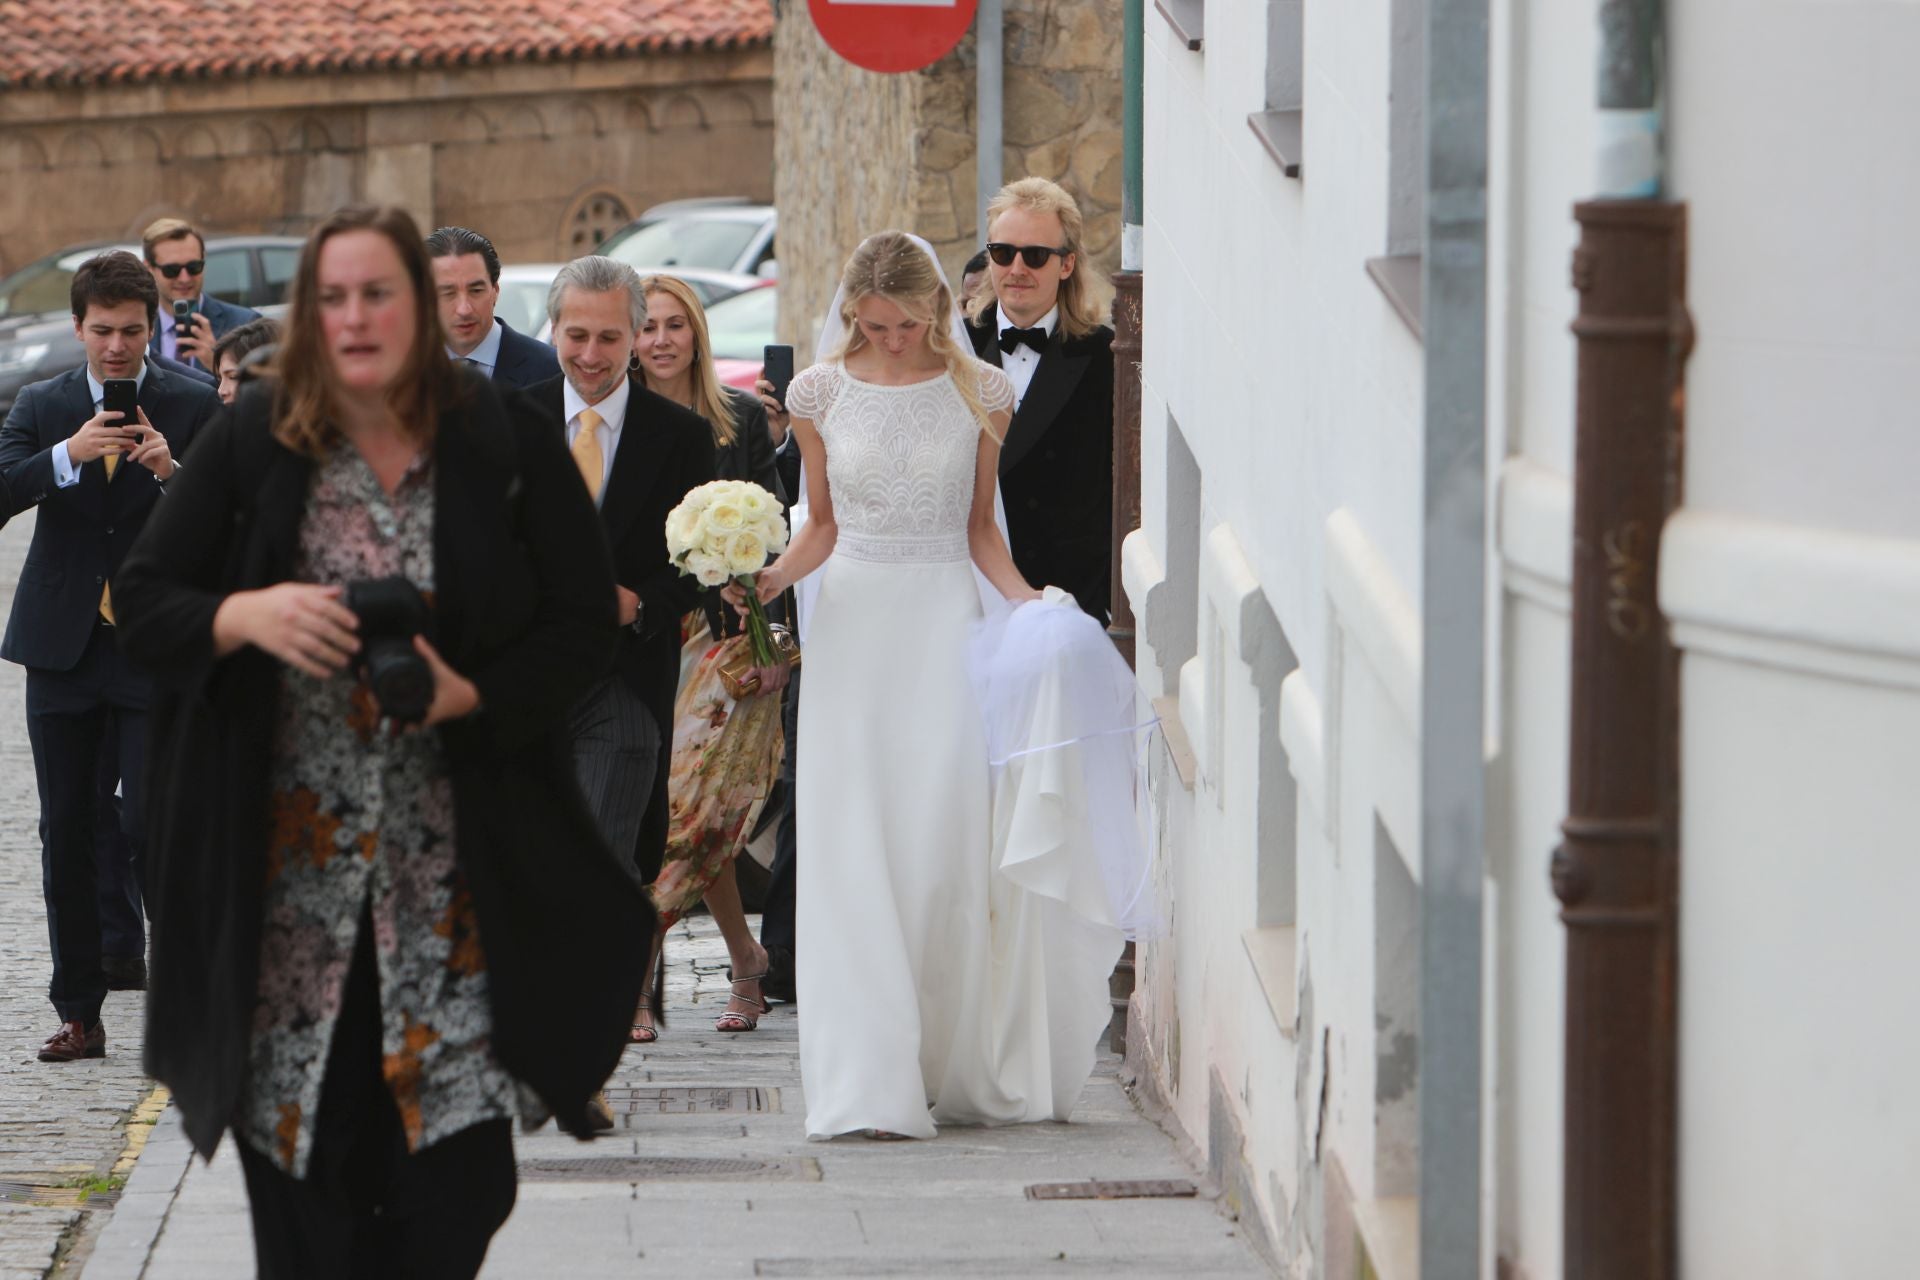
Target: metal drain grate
[(693, 1100), (1137, 1189), (665, 1168)]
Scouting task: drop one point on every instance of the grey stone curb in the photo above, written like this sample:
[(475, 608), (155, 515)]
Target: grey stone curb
[(127, 1241)]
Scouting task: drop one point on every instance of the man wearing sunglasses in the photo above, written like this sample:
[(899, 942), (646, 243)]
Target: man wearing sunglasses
[(177, 256), (1041, 319)]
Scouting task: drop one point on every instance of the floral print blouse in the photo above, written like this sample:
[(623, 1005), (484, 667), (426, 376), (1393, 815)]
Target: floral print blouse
[(362, 820)]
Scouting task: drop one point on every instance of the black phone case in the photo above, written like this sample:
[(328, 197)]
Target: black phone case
[(121, 395), (777, 368)]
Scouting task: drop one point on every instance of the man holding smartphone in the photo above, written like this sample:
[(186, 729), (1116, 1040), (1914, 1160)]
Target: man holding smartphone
[(92, 450), (190, 320)]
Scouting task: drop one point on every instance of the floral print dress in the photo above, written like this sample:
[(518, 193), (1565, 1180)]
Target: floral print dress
[(361, 821)]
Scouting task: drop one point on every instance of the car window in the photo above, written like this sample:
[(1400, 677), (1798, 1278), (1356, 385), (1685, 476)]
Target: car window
[(523, 304), (740, 327), (229, 274), (43, 286), (766, 255), (279, 265), (714, 243)]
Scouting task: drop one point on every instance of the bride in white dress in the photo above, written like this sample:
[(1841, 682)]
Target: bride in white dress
[(928, 990)]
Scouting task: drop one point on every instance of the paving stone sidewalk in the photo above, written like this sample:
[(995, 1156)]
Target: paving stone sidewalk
[(711, 1174), (65, 1126)]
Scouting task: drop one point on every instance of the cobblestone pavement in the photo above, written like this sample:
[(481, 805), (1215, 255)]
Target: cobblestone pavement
[(710, 1174), (62, 1127)]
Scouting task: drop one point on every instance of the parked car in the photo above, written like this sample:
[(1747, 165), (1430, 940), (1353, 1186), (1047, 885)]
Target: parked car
[(523, 292), (740, 329), (717, 236), (37, 340)]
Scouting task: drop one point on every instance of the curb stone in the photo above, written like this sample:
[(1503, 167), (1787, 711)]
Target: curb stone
[(128, 1239)]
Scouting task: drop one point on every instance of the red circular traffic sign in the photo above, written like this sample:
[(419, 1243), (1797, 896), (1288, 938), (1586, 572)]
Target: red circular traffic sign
[(892, 35)]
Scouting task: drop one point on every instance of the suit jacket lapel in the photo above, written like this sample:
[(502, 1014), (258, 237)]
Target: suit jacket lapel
[(630, 477), (1053, 382)]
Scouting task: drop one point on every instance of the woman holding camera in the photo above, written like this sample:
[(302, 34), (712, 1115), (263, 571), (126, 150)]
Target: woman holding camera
[(390, 908)]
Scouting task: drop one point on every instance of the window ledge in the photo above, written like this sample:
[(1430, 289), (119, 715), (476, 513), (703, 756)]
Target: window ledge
[(1399, 278), (1186, 17), (1273, 952), (1179, 748), (1280, 132)]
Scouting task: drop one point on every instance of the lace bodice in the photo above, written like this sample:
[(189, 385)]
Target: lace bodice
[(900, 460)]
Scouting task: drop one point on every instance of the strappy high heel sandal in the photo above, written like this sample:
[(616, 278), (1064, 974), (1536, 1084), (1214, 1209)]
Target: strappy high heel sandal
[(732, 1021), (654, 1005)]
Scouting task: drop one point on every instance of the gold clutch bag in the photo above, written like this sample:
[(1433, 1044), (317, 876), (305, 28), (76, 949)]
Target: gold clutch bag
[(736, 673)]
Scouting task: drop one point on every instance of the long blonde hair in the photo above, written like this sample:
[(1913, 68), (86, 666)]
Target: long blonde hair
[(709, 397), (890, 265), (1083, 303)]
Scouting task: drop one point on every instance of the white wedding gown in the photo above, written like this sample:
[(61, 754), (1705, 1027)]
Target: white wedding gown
[(932, 988)]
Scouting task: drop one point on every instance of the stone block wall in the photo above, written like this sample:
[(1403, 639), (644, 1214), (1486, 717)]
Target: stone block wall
[(857, 152), (540, 157)]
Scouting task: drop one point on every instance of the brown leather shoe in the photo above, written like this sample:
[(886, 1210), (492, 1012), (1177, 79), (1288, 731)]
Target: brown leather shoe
[(74, 1041)]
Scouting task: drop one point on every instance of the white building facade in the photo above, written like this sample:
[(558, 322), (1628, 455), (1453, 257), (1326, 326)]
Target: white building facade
[(1276, 580)]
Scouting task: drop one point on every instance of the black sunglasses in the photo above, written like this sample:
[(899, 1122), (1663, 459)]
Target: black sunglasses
[(173, 269), (1034, 255)]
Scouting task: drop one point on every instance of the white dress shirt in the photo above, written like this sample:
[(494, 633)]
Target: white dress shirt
[(487, 354), (613, 416), (1020, 362), (65, 474)]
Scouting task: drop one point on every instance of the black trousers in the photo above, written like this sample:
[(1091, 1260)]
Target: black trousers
[(776, 913), (368, 1209), (71, 717), (123, 932)]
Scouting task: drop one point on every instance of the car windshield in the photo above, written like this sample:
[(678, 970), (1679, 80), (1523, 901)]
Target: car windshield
[(523, 304), (740, 327), (40, 287), (691, 241)]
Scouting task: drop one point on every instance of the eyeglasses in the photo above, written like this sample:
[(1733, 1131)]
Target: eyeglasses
[(172, 270), (1034, 255)]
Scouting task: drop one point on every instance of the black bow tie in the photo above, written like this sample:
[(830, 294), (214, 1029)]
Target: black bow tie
[(1011, 340)]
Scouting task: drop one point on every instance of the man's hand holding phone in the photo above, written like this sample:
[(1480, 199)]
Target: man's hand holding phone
[(152, 452), (196, 339), (100, 435)]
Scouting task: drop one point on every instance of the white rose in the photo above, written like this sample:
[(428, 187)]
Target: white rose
[(708, 569), (746, 553), (755, 501), (724, 517), (772, 530), (683, 527)]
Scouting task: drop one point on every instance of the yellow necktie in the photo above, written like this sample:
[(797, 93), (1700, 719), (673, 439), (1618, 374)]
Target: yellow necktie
[(106, 592), (586, 452)]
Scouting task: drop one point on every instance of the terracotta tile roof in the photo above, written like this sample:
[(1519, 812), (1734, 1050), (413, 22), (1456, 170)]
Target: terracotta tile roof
[(71, 42)]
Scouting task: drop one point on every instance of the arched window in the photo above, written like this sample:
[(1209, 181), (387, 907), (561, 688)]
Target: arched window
[(594, 216)]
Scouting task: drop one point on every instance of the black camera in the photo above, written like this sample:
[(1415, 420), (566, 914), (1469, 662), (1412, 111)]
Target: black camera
[(392, 612)]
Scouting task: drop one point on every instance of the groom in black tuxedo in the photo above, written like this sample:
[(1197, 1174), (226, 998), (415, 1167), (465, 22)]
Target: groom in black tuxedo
[(1039, 324)]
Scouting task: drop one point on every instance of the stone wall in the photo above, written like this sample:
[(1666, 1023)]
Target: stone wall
[(857, 152), (542, 158)]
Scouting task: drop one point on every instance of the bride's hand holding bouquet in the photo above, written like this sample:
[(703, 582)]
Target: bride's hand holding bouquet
[(721, 535)]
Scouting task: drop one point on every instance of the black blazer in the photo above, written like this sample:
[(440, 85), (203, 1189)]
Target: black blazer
[(225, 317), (1056, 467), (523, 361), (664, 451), (83, 532), (524, 608)]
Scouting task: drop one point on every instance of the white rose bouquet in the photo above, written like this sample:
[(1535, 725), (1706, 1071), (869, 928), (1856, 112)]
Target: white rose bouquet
[(725, 530)]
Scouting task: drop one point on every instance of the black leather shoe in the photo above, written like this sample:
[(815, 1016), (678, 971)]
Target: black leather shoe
[(125, 973), (778, 983), (74, 1041)]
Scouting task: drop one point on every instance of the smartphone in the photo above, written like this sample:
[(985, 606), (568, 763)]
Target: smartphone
[(182, 310), (121, 395), (777, 368)]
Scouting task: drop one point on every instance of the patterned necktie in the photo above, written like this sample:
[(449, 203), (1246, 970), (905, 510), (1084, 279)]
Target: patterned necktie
[(586, 452)]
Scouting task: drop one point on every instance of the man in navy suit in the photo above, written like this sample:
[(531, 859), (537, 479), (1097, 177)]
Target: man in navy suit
[(466, 271), (177, 256), (94, 480)]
